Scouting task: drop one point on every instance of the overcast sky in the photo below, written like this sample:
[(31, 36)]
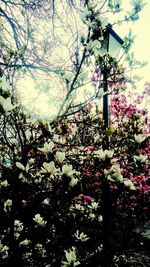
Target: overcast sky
[(141, 46)]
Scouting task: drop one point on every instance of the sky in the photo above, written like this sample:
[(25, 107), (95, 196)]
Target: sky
[(142, 41), (141, 48)]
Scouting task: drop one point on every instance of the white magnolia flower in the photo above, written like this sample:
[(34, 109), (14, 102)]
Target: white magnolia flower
[(93, 206), (85, 13), (4, 183), (18, 227), (6, 103), (25, 242), (73, 182), (81, 236), (67, 169), (49, 168), (7, 205), (103, 154), (71, 258), (139, 138), (46, 201), (79, 207), (14, 141), (4, 251), (91, 216), (31, 161), (114, 174), (99, 248), (58, 139), (39, 220), (100, 218), (96, 138), (97, 47), (82, 158), (40, 249), (4, 84), (94, 46), (20, 166), (128, 183), (60, 156), (141, 158), (48, 147)]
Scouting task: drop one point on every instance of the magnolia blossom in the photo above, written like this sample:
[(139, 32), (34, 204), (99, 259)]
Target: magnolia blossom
[(31, 161), (7, 205), (48, 148), (25, 242), (14, 141), (139, 138), (40, 249), (78, 207), (73, 182), (93, 206), (81, 236), (60, 156), (18, 227), (49, 168), (96, 137), (39, 220), (114, 174), (91, 216), (46, 201), (6, 103), (67, 169), (100, 218), (4, 183), (103, 154), (71, 258), (20, 166), (4, 84), (128, 183), (58, 139), (141, 158), (4, 251)]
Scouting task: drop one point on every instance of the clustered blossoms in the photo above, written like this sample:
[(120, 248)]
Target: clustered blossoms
[(4, 251), (18, 227), (71, 258), (5, 96), (51, 183)]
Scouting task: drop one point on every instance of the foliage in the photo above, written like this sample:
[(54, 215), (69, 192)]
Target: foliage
[(51, 184)]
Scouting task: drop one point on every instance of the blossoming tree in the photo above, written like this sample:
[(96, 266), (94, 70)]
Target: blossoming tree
[(51, 183), (53, 174)]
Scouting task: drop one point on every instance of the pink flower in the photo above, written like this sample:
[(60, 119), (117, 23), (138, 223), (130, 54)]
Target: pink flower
[(86, 198)]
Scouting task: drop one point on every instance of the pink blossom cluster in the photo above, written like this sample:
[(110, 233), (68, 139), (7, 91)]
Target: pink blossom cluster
[(120, 108), (142, 183), (86, 199)]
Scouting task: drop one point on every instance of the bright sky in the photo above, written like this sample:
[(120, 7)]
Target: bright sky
[(141, 48), (142, 41)]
